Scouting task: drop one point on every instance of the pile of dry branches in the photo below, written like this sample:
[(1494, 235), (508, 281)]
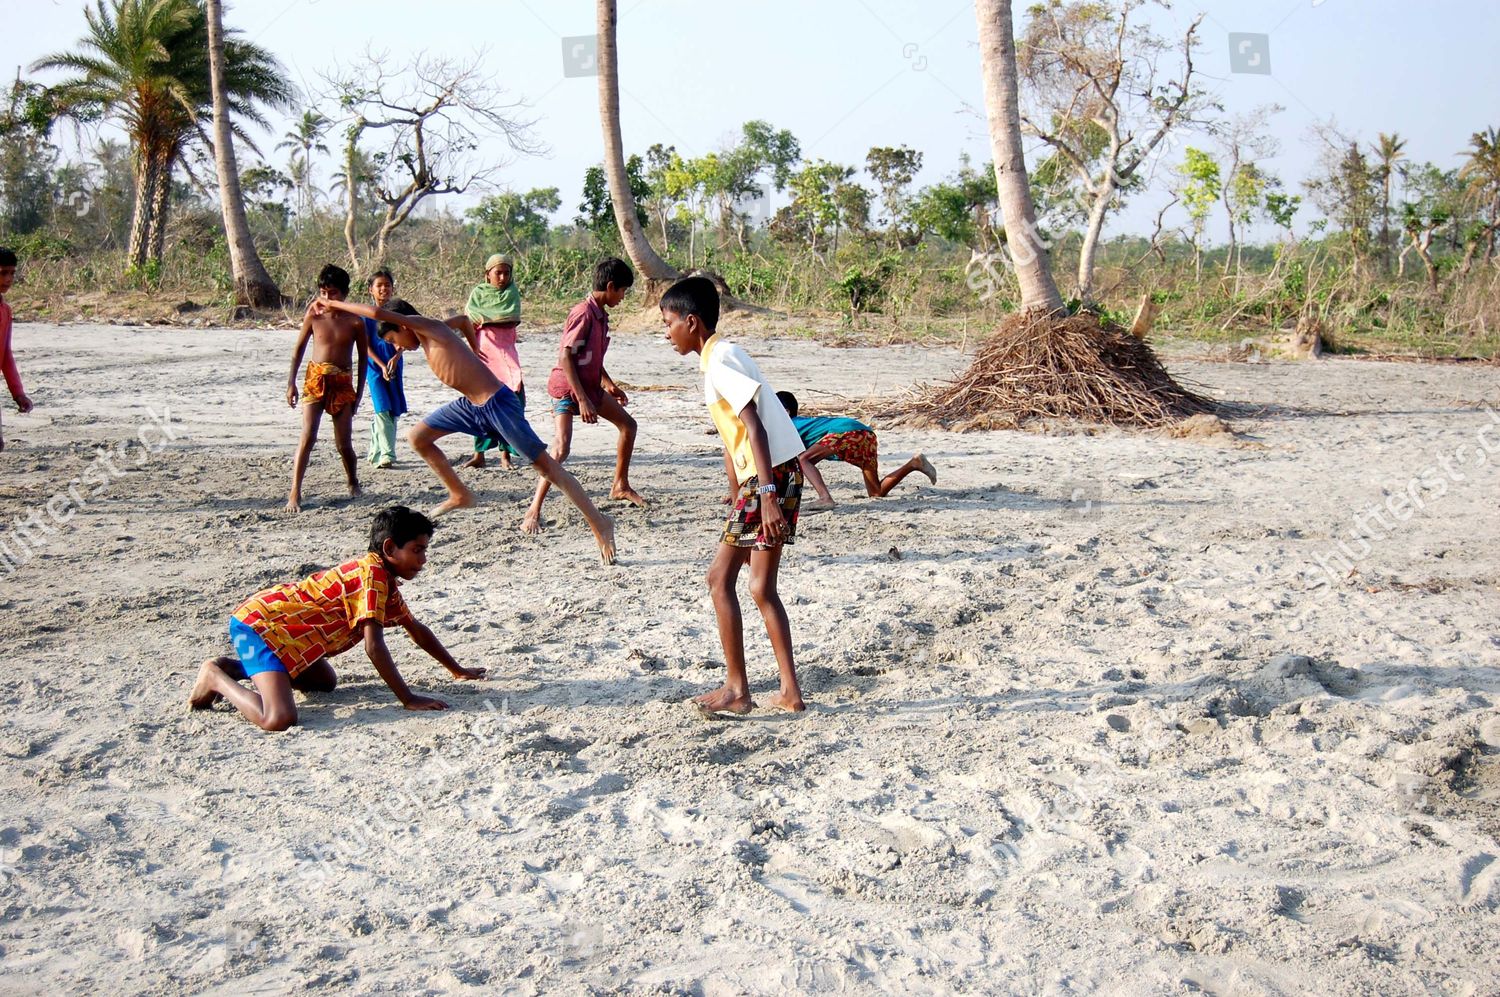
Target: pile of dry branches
[(1072, 369)]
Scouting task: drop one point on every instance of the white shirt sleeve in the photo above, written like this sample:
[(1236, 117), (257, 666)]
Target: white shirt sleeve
[(730, 380)]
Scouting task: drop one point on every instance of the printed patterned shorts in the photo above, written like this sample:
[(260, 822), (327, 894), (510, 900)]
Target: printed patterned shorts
[(857, 449), (743, 529)]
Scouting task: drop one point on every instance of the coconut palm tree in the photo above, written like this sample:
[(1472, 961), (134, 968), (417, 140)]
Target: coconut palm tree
[(997, 54), (1482, 174), (1389, 150), (145, 64), (304, 139), (252, 284), (637, 246)]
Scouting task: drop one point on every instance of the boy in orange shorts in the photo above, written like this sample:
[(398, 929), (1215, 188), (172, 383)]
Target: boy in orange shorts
[(284, 636), (854, 443), (329, 386)]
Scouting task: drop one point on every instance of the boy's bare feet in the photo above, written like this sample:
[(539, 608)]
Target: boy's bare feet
[(531, 524), (294, 503), (604, 533), (725, 700), (925, 466), (354, 490), (461, 500), (820, 505), (203, 695), (625, 493), (475, 461), (789, 701), (505, 463)]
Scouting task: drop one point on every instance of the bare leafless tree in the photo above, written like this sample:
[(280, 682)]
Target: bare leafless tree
[(440, 122), (1099, 93)]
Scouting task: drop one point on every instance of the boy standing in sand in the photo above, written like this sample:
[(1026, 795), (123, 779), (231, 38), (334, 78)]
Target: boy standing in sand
[(328, 386), (383, 372), (848, 440), (284, 636), (494, 312), (760, 455), (7, 358), (487, 408), (579, 385)]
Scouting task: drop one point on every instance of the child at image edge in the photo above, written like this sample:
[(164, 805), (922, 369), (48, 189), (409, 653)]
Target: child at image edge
[(761, 447)]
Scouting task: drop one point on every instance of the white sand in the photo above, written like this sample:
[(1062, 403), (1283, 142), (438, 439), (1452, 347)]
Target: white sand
[(1056, 743)]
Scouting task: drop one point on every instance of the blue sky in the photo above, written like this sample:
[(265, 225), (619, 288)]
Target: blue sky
[(844, 75)]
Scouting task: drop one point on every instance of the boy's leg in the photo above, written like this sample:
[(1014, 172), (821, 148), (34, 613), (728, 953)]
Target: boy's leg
[(424, 441), (317, 677), (763, 569), (343, 438), (603, 527), (879, 487), (562, 445), (734, 695), (270, 706), (612, 411), (312, 414), (809, 462)]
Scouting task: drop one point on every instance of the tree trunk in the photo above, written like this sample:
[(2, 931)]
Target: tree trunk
[(351, 194), (161, 202), (140, 222), (1088, 253), (997, 51), (252, 284), (637, 247)]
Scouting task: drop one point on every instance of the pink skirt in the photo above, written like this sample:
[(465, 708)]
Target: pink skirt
[(497, 348)]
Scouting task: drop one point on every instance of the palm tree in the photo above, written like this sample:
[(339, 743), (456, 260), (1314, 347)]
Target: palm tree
[(1482, 174), (1389, 150), (997, 54), (306, 138), (252, 284), (145, 63), (637, 246)]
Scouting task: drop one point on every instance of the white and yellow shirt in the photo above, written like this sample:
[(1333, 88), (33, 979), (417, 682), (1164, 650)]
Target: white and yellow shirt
[(731, 380)]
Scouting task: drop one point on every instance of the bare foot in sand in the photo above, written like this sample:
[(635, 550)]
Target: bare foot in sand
[(531, 525), (506, 464), (791, 702), (627, 494), (820, 505), (604, 533), (294, 503), (203, 695), (475, 461), (725, 700), (925, 466), (354, 490), (463, 500)]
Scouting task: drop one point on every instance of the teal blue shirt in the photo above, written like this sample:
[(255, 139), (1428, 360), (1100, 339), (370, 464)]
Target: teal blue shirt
[(813, 428)]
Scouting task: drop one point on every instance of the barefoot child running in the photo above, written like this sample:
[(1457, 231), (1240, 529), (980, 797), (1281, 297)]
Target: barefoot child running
[(383, 372), (494, 312), (284, 636), (8, 358), (579, 385), (487, 408), (328, 386), (848, 440), (760, 454)]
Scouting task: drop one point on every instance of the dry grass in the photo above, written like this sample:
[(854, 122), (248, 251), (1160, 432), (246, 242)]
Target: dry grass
[(1039, 369)]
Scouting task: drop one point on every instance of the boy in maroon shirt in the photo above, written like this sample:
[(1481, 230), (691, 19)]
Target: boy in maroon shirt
[(579, 385), (7, 358)]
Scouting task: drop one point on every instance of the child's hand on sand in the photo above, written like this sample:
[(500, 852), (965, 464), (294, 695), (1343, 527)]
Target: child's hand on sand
[(424, 704), (467, 674)]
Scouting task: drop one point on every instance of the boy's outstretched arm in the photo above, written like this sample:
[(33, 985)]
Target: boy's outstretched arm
[(361, 347), (428, 641), (371, 312), (380, 657), (297, 351)]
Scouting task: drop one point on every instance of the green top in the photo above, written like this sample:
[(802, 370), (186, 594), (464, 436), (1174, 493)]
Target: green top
[(488, 304)]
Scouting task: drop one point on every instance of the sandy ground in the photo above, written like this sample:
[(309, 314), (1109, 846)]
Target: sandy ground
[(1087, 716)]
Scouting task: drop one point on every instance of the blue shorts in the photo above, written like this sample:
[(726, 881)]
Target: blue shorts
[(254, 653), (565, 406), (501, 416)]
